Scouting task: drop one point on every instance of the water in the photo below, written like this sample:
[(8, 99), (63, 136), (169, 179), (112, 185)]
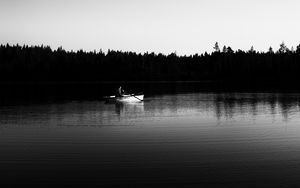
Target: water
[(189, 139)]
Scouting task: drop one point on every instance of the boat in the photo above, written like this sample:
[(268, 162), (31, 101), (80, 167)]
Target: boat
[(130, 98), (126, 98)]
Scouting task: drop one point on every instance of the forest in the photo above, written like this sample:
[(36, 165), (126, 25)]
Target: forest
[(22, 64)]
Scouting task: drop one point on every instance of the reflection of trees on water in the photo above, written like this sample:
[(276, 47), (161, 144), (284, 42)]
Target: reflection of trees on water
[(225, 105), (87, 113), (230, 105), (264, 106), (289, 106), (54, 114)]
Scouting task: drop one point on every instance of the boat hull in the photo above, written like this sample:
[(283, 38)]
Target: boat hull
[(125, 98)]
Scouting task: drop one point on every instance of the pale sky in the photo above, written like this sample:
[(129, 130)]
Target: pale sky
[(184, 26)]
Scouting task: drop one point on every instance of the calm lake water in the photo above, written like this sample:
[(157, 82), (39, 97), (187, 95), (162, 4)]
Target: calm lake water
[(187, 139)]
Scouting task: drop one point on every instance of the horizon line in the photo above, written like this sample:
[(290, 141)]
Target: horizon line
[(291, 49)]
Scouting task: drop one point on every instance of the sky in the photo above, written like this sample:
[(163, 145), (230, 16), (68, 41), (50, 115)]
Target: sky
[(161, 26)]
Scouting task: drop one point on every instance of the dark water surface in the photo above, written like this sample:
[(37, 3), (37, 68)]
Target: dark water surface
[(190, 139)]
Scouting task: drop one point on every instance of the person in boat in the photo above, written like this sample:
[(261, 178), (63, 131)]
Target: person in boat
[(120, 92)]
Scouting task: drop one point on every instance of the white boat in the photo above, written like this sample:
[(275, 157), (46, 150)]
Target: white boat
[(126, 98), (130, 98)]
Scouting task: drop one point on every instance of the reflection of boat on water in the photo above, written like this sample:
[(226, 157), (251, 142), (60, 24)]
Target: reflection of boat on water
[(129, 98), (129, 109)]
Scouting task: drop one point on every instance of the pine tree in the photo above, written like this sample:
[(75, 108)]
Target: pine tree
[(216, 47)]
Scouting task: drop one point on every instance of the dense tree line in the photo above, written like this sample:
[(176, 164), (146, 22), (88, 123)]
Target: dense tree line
[(42, 64)]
